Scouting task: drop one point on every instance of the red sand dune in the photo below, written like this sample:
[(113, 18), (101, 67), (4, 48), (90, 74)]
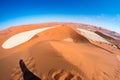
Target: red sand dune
[(60, 53)]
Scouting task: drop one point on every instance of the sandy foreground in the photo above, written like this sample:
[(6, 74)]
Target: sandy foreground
[(59, 53)]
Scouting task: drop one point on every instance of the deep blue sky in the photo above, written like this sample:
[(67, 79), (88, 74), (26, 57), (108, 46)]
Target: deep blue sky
[(95, 10)]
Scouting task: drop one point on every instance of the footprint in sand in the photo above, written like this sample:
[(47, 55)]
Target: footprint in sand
[(17, 73), (63, 75)]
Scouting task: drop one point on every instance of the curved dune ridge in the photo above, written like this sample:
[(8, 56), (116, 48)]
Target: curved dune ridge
[(22, 37), (63, 52), (93, 36), (63, 33)]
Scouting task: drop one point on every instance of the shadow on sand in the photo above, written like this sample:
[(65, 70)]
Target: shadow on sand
[(27, 75)]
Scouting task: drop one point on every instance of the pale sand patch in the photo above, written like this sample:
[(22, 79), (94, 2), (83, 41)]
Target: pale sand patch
[(22, 37), (93, 36), (68, 39), (118, 57)]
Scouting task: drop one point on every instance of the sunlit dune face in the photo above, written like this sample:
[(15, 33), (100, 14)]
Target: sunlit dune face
[(93, 36), (21, 38)]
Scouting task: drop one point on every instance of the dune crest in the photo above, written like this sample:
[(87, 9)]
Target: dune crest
[(63, 32)]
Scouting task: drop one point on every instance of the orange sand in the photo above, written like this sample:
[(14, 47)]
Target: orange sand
[(60, 53)]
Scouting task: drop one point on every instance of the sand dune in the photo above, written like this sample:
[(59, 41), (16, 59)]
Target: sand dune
[(22, 37), (61, 33), (59, 53), (115, 43), (104, 36), (92, 36)]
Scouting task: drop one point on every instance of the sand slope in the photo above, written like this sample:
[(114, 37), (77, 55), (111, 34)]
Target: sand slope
[(60, 53)]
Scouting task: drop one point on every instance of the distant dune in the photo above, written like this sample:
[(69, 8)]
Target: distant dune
[(60, 51), (93, 36)]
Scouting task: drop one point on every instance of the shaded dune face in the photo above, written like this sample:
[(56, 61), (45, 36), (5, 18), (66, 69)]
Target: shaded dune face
[(110, 39), (60, 53), (93, 36), (90, 65), (53, 65), (104, 36)]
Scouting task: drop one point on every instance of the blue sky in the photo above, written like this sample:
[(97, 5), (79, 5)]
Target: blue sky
[(104, 13)]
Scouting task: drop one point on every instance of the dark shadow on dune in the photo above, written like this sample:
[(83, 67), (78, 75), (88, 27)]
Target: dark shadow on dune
[(27, 75)]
